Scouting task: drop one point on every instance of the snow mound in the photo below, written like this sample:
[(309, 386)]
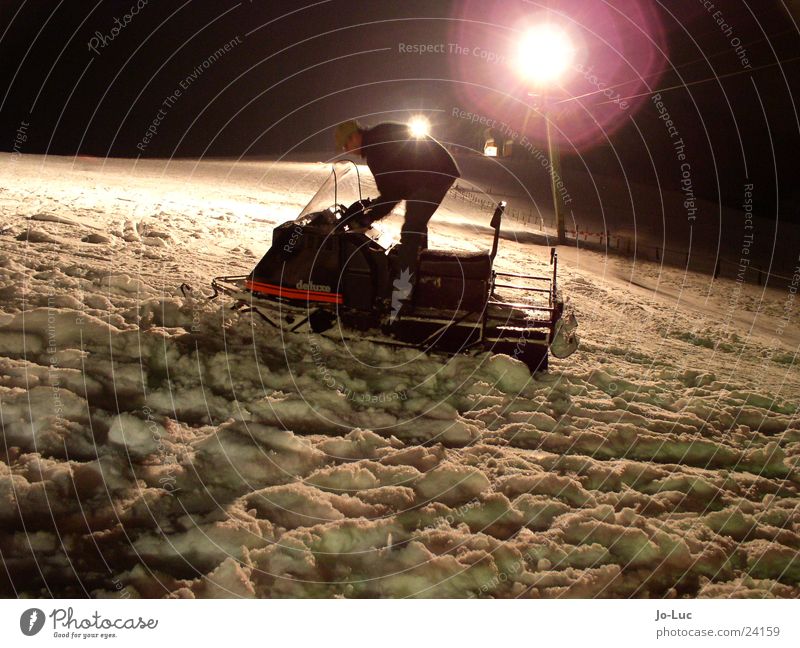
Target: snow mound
[(156, 444)]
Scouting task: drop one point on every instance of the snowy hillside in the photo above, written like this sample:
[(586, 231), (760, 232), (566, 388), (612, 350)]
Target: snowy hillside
[(162, 445)]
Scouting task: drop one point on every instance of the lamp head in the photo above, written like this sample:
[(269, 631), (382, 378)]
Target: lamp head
[(545, 53)]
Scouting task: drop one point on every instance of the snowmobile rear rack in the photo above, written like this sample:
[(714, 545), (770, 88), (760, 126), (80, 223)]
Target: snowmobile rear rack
[(518, 287)]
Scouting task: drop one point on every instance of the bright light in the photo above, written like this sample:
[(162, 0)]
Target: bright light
[(419, 126), (490, 150), (545, 53)]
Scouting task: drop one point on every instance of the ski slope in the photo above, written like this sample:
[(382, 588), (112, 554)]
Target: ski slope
[(156, 444)]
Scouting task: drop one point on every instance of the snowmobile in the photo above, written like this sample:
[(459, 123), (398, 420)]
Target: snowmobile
[(326, 273)]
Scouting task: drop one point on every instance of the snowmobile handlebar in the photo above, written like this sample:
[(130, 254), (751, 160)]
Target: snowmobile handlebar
[(356, 214)]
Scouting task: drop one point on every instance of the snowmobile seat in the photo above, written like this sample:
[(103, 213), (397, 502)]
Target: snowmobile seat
[(453, 281), (459, 265)]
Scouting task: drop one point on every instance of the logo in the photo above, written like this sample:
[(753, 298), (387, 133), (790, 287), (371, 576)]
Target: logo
[(31, 621), (301, 285), (402, 290)]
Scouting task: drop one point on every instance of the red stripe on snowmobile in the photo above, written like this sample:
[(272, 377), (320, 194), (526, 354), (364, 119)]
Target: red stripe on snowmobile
[(293, 293)]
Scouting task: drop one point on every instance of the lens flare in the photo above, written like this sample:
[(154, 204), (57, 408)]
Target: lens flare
[(419, 126), (545, 53), (590, 65)]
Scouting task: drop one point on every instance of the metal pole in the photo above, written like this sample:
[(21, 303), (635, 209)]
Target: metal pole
[(555, 174)]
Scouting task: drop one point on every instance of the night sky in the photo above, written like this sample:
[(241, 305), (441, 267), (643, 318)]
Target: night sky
[(218, 78)]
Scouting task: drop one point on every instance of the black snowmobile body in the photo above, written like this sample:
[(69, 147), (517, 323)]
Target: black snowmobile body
[(322, 273)]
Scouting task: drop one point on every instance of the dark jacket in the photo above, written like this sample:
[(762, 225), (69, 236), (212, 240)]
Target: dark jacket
[(403, 164)]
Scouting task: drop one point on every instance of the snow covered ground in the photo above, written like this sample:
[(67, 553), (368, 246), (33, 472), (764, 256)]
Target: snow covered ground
[(161, 445)]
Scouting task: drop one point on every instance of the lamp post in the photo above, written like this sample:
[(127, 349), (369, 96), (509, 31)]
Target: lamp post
[(545, 54), (554, 154)]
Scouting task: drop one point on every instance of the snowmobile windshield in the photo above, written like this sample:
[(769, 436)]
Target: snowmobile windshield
[(342, 187)]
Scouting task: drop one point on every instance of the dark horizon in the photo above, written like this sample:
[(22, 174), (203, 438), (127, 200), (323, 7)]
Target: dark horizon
[(230, 79)]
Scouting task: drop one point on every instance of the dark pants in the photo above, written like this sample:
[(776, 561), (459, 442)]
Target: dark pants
[(420, 206)]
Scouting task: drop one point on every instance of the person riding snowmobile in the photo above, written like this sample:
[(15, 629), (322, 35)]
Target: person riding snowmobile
[(418, 170)]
